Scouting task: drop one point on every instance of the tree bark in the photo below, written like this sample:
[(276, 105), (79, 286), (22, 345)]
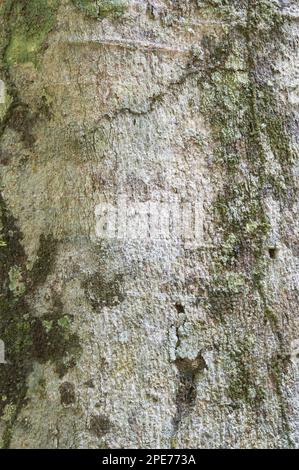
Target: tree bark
[(149, 224)]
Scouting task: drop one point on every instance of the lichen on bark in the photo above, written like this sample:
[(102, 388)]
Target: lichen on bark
[(247, 119), (27, 337), (102, 8), (29, 24), (129, 343)]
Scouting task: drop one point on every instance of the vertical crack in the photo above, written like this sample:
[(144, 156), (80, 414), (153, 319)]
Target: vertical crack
[(189, 371)]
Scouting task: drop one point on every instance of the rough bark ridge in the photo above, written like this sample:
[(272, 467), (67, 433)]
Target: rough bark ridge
[(149, 343)]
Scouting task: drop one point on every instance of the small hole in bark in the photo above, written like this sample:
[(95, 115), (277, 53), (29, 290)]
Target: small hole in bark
[(180, 308), (272, 252)]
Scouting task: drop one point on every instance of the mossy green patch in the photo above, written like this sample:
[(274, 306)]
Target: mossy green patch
[(243, 386), (246, 120), (225, 9), (89, 7), (112, 7), (28, 338), (102, 8), (254, 155), (30, 23), (271, 316)]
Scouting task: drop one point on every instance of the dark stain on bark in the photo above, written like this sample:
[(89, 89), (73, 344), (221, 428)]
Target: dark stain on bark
[(28, 338), (103, 292), (189, 371), (67, 393), (99, 425)]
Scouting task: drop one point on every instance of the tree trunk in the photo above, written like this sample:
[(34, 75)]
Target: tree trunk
[(149, 224)]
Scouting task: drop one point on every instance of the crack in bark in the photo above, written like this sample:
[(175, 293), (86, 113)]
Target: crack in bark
[(158, 97), (189, 371)]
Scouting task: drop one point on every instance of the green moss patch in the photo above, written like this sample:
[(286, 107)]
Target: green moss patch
[(102, 8), (30, 22), (112, 7), (246, 120), (28, 338), (89, 7), (243, 385), (253, 156)]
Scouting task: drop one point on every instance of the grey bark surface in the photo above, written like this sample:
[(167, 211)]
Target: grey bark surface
[(132, 342)]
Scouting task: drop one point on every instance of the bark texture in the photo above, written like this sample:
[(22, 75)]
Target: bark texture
[(149, 343)]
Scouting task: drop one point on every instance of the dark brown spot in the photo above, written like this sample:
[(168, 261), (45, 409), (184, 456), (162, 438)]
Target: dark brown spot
[(67, 393), (273, 252), (99, 425), (102, 292), (89, 383), (179, 307)]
